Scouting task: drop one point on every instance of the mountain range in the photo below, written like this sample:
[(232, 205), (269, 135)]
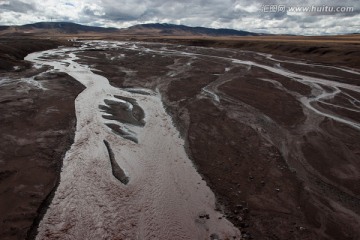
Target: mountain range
[(162, 29)]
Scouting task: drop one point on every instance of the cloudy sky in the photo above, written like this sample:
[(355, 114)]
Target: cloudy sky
[(268, 16)]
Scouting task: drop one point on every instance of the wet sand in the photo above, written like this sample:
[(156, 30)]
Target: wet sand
[(164, 197)]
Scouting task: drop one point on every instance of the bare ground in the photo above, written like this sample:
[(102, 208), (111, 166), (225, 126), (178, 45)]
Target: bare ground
[(37, 127), (279, 170)]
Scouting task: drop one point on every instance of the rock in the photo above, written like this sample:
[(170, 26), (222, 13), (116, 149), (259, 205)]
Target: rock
[(244, 225), (302, 228), (214, 236), (247, 236), (204, 216)]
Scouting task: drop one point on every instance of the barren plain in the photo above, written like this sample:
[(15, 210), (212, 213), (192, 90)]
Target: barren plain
[(176, 141)]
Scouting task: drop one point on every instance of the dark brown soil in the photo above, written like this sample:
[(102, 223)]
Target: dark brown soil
[(13, 51), (117, 171), (37, 128), (328, 51), (275, 103)]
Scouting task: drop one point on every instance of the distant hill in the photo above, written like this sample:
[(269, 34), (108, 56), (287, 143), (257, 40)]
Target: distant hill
[(2, 28), (155, 29), (67, 27), (182, 30), (42, 28)]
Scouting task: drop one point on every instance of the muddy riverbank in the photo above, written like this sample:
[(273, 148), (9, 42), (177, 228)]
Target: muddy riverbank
[(275, 138), (37, 128), (256, 132)]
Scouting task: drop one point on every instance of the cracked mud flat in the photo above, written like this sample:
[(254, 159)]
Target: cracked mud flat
[(277, 139)]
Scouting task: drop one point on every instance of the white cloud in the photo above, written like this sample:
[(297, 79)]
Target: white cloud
[(3, 3), (237, 14), (253, 7)]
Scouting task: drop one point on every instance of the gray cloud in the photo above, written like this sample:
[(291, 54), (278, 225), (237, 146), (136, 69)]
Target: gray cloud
[(15, 6), (238, 14)]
